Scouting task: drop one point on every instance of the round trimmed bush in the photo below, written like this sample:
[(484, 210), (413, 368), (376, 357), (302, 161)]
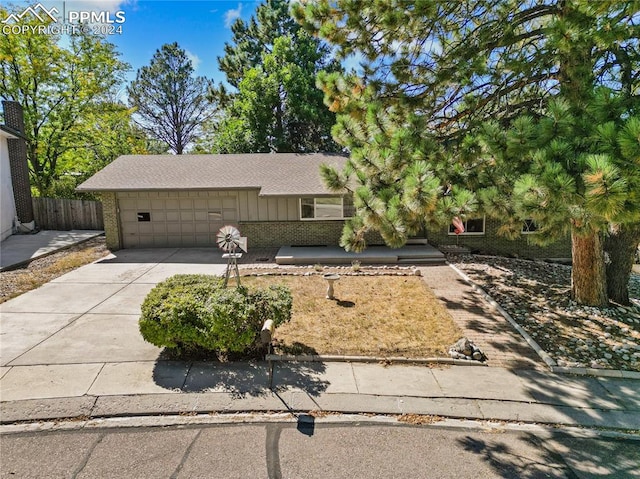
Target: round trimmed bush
[(188, 312)]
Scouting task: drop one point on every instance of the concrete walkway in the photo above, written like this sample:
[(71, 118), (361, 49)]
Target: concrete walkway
[(72, 348), (408, 254), (17, 250)]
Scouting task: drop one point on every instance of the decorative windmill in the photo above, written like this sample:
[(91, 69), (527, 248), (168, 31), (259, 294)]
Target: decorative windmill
[(229, 240)]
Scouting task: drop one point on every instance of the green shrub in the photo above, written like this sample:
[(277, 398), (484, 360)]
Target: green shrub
[(196, 312)]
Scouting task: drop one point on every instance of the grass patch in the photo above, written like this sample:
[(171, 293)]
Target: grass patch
[(371, 316)]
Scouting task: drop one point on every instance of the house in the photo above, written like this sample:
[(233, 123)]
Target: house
[(16, 208), (167, 200), (274, 199), (7, 202)]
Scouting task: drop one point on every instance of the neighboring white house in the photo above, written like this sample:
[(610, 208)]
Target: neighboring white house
[(7, 201)]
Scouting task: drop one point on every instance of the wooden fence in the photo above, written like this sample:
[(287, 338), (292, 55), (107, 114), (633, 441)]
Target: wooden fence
[(62, 214)]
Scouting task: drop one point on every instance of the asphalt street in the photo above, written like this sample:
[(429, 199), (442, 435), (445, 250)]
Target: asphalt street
[(310, 448)]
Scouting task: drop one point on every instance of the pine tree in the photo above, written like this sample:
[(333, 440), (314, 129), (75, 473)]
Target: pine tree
[(171, 104), (574, 177), (272, 63), (458, 65), (252, 40)]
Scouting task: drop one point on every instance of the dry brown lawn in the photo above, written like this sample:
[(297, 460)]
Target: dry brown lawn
[(371, 315)]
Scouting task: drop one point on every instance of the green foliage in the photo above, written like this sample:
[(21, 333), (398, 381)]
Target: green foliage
[(536, 84), (396, 176), (189, 312), (273, 64), (65, 92), (171, 104), (461, 64), (251, 40)]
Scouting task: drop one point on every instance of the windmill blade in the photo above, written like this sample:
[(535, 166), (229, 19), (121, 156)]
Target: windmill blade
[(242, 243), (228, 238)]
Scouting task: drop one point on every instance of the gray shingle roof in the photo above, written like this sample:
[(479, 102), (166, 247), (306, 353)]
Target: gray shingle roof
[(275, 174)]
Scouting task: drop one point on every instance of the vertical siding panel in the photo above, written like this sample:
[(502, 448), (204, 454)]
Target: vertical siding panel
[(243, 205), (263, 209), (282, 209), (272, 212), (292, 209)]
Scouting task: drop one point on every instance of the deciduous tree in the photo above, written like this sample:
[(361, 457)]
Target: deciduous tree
[(56, 86)]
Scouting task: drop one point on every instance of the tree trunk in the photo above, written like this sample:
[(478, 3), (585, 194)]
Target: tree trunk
[(588, 279), (621, 248)]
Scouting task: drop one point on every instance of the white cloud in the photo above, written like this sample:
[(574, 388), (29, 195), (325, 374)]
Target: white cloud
[(195, 60), (231, 15)]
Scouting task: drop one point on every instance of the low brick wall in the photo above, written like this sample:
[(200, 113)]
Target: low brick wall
[(296, 233), (262, 234), (491, 243)]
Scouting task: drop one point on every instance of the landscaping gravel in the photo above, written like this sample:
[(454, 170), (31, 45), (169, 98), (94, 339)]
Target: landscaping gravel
[(537, 295)]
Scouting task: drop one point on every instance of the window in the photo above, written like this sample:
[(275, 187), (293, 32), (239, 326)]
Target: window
[(472, 226), (329, 208), (529, 226), (144, 216)]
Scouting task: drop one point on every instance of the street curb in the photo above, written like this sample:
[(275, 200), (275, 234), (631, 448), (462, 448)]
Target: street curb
[(549, 361), (154, 408), (335, 419), (370, 359), (603, 373)]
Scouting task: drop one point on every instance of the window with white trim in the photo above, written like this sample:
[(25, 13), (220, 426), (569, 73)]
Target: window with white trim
[(326, 208), (472, 226), (529, 227)]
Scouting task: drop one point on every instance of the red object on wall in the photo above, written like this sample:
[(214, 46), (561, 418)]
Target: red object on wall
[(458, 225)]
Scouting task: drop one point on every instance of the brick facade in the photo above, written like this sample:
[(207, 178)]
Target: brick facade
[(313, 233), (13, 118), (270, 234), (262, 234), (491, 243), (111, 221)]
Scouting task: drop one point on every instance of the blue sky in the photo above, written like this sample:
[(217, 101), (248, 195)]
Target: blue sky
[(201, 27)]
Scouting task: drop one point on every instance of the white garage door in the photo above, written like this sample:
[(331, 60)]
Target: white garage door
[(151, 219)]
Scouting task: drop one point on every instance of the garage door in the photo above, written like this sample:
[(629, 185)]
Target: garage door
[(149, 219)]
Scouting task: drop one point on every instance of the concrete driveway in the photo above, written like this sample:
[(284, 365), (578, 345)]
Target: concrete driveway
[(90, 315)]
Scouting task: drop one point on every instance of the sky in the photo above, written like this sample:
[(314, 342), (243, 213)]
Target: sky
[(201, 27)]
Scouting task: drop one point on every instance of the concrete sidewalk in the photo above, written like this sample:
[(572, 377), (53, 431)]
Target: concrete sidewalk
[(17, 250), (103, 389), (72, 348)]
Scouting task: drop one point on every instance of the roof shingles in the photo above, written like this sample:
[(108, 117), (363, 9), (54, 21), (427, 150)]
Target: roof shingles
[(275, 174)]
